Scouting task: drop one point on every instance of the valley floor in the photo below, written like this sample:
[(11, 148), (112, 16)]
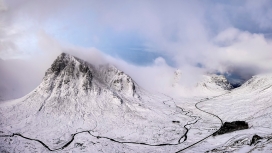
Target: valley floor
[(202, 111), (201, 127), (81, 108)]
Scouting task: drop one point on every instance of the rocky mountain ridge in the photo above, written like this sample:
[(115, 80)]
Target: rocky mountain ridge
[(78, 96)]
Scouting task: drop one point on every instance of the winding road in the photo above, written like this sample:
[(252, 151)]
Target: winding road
[(201, 101), (196, 118)]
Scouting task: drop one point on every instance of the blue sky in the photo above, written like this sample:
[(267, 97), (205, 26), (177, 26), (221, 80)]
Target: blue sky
[(83, 29), (215, 36)]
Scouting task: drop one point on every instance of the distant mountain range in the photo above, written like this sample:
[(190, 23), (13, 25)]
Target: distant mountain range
[(80, 107)]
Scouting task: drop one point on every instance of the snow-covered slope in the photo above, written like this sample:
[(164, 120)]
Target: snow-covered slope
[(252, 102), (213, 83), (256, 83), (80, 107), (76, 96), (208, 85)]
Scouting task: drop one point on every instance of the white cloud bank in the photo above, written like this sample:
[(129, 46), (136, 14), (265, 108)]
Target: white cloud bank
[(226, 37)]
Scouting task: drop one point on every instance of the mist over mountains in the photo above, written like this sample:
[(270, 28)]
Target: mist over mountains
[(20, 77), (79, 106), (135, 76)]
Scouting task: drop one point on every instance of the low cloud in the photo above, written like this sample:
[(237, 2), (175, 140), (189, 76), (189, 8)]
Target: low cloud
[(250, 52), (198, 37)]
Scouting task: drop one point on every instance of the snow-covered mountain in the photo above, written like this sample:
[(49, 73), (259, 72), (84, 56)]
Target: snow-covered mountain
[(252, 102), (76, 96), (214, 83), (262, 81), (207, 85), (80, 107)]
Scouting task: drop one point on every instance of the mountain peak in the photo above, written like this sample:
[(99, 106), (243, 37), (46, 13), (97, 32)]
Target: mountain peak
[(68, 63), (68, 71), (62, 61), (221, 81), (71, 83), (214, 82)]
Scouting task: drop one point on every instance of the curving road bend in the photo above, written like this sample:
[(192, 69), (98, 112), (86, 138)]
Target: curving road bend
[(201, 101), (196, 118)]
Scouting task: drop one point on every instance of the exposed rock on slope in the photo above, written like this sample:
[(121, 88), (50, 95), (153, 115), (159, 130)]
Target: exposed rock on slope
[(215, 82), (76, 96)]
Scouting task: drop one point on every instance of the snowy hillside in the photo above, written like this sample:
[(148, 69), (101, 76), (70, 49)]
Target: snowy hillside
[(80, 107), (252, 102), (213, 83), (207, 85), (76, 96)]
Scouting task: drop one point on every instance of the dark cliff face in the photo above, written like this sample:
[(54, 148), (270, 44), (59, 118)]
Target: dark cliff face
[(68, 70), (67, 63), (59, 64), (222, 82)]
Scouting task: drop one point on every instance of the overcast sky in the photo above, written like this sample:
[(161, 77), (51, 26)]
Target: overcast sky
[(206, 36)]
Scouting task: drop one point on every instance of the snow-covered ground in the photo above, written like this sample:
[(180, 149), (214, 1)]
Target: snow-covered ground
[(252, 102), (79, 107)]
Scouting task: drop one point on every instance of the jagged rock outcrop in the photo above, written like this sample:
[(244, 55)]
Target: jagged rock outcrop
[(214, 82), (75, 92), (66, 69), (75, 96), (255, 139), (221, 81)]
